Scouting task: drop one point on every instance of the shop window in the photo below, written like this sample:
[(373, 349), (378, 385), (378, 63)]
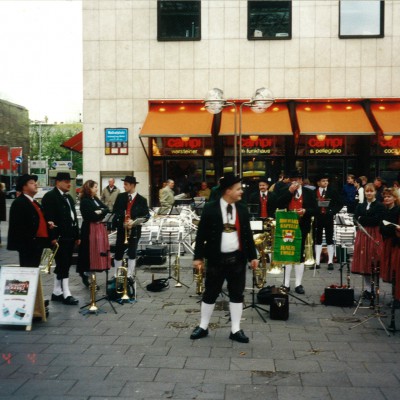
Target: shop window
[(361, 19), (179, 20), (269, 20)]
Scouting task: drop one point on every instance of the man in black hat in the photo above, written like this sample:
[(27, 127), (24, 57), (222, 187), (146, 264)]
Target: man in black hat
[(265, 202), (225, 239), (329, 204), (295, 197), (28, 229), (59, 210), (128, 206)]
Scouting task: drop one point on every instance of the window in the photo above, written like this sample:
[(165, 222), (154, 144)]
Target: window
[(361, 19), (179, 20), (269, 20)]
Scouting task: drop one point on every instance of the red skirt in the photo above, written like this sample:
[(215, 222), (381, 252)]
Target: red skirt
[(366, 251), (395, 266), (100, 257), (386, 265)]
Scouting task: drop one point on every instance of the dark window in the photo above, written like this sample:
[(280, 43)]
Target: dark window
[(361, 19), (269, 20), (179, 20)]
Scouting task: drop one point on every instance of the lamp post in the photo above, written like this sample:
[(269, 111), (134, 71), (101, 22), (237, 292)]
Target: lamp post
[(39, 123), (214, 104)]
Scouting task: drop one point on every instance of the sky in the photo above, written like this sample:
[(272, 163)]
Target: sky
[(41, 57)]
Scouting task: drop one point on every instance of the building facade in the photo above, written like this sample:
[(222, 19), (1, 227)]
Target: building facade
[(333, 68)]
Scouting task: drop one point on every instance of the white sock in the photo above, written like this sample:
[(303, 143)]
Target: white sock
[(236, 315), (367, 282), (206, 312), (288, 271), (113, 271), (57, 290), (318, 251), (131, 267), (331, 251), (65, 285), (299, 270)]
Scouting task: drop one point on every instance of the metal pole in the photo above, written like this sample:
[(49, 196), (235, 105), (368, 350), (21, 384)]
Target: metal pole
[(40, 141), (235, 151)]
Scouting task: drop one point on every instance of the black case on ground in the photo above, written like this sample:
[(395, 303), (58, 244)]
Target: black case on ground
[(279, 307), (154, 255), (340, 297)]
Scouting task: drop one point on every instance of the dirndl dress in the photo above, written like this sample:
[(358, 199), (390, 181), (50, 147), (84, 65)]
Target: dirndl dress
[(99, 247)]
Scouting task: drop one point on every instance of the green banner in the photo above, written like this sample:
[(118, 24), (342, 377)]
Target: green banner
[(287, 240)]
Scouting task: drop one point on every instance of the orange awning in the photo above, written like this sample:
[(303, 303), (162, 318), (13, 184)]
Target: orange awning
[(177, 118), (74, 143), (333, 118), (274, 121), (387, 114)]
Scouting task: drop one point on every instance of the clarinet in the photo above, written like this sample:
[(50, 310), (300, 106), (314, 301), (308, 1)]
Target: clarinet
[(392, 325), (372, 302)]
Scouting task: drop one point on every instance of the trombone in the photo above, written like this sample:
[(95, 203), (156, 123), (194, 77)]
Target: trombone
[(48, 257)]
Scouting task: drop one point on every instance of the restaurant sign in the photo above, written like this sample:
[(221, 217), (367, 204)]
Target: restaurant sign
[(263, 145), (389, 146), (181, 147), (329, 145)]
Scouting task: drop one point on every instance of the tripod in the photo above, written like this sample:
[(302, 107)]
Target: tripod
[(253, 303), (91, 308)]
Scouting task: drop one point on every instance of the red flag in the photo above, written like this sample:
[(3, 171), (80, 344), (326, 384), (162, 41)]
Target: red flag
[(4, 157)]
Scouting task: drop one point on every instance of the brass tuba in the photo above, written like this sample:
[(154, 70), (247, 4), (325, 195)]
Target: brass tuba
[(48, 258), (260, 273), (121, 283), (309, 247)]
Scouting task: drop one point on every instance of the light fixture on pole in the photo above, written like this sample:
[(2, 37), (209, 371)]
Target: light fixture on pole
[(214, 104), (259, 103)]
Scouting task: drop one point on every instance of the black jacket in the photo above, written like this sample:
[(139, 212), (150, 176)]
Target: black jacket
[(272, 200), (209, 233), (371, 217), (335, 204)]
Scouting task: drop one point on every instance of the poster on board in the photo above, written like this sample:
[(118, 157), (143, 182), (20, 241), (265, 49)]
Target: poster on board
[(18, 287)]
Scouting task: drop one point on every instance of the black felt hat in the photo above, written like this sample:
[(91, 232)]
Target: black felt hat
[(130, 179), (63, 176), (322, 176), (265, 179), (23, 179), (294, 173), (228, 180)]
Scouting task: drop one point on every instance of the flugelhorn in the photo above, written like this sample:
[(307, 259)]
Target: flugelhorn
[(309, 247), (198, 276), (177, 271), (127, 229), (93, 306), (121, 283), (48, 258)]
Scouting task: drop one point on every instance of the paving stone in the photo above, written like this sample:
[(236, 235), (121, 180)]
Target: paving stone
[(180, 375), (237, 377), (132, 374), (360, 379), (297, 365), (252, 364), (306, 393), (45, 386), (162, 362), (355, 393), (250, 392)]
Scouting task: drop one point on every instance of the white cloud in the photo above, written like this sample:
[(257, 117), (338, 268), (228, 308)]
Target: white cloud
[(41, 57)]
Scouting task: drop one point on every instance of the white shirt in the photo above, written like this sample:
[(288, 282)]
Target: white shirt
[(229, 241)]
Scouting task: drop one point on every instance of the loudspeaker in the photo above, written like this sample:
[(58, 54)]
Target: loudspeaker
[(340, 297), (154, 255), (279, 308)]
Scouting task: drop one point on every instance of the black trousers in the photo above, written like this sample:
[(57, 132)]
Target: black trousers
[(232, 267), (30, 256), (120, 246), (64, 258), (322, 222)]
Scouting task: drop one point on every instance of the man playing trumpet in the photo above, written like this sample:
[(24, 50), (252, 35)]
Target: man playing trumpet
[(128, 206)]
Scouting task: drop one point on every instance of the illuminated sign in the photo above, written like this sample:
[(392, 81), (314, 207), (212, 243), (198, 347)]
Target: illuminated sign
[(329, 146), (183, 146), (390, 147), (263, 145)]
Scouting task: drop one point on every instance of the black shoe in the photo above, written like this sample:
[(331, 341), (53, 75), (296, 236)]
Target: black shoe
[(284, 288), (70, 301), (46, 303), (85, 280), (299, 289), (55, 297), (316, 267), (366, 295), (239, 336), (198, 333), (330, 267)]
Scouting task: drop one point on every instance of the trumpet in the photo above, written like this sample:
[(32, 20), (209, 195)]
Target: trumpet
[(93, 306), (121, 283), (127, 229), (48, 258), (177, 271), (308, 247), (198, 275)]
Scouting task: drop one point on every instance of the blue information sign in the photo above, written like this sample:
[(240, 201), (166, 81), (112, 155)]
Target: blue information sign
[(116, 141)]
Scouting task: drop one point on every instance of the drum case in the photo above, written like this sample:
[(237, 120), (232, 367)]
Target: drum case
[(340, 297), (279, 307)]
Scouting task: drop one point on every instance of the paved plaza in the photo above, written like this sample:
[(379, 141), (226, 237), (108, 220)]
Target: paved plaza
[(144, 351)]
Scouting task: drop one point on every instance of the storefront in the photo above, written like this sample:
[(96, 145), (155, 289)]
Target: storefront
[(336, 137)]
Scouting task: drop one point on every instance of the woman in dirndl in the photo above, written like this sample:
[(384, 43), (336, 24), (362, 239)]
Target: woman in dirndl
[(391, 240), (94, 250), (368, 247)]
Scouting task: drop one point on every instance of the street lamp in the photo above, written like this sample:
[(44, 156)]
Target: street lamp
[(39, 123), (214, 104), (259, 103)]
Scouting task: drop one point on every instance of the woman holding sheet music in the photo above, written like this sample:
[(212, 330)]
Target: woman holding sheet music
[(94, 251)]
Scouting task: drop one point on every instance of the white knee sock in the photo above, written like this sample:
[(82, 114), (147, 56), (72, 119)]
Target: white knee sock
[(318, 251), (57, 290), (113, 271), (131, 267), (236, 310), (299, 270), (331, 251), (206, 312), (65, 285), (288, 271)]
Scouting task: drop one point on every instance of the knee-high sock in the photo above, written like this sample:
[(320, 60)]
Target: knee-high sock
[(288, 271), (65, 285), (57, 290), (206, 312), (131, 267), (113, 271), (367, 282), (299, 270), (318, 251), (236, 310), (331, 251)]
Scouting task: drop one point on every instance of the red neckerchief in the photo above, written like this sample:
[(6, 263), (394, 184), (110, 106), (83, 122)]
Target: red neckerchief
[(237, 226), (264, 212)]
